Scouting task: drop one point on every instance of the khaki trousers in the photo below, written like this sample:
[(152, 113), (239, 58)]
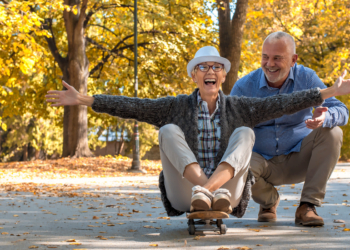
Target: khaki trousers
[(176, 155), (314, 164)]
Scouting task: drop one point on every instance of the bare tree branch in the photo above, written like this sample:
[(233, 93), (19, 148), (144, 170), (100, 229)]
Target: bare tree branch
[(89, 15), (51, 41), (104, 27)]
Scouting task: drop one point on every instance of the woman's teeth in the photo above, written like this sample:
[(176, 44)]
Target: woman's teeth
[(210, 81)]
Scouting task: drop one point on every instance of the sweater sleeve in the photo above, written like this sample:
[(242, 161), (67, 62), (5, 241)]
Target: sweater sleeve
[(272, 107), (152, 111)]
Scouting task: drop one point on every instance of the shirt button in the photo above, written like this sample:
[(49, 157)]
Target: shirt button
[(277, 150), (277, 139), (277, 126)]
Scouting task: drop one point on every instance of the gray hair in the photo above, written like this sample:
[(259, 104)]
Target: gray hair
[(280, 34)]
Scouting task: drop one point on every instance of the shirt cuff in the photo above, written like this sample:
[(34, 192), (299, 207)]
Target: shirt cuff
[(327, 123)]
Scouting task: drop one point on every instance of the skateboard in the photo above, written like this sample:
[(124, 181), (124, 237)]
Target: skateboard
[(211, 221)]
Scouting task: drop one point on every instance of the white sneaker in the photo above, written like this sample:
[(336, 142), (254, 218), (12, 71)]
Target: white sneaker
[(221, 200), (201, 199)]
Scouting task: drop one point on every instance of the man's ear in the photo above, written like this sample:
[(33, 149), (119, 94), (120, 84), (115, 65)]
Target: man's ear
[(294, 59)]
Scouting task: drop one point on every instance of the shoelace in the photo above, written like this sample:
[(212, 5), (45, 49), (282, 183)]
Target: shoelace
[(267, 210), (311, 208)]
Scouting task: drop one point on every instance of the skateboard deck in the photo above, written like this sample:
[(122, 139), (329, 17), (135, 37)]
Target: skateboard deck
[(212, 221), (207, 215)]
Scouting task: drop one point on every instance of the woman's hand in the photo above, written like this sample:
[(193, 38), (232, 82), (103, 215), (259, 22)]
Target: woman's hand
[(340, 87), (67, 97)]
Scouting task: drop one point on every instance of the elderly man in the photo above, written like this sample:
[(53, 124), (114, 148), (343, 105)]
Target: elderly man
[(205, 138), (293, 148)]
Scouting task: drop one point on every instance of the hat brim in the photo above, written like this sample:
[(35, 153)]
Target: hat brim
[(201, 59)]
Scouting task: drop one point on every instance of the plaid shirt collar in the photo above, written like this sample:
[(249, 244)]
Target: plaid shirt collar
[(200, 102)]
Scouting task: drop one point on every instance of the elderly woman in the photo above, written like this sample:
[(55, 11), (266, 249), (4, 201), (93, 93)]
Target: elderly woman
[(205, 138)]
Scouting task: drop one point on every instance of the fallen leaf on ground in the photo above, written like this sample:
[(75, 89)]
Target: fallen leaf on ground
[(255, 230), (92, 226), (243, 248), (130, 230), (95, 218), (75, 243), (4, 233), (148, 226), (32, 247), (197, 237), (153, 245), (71, 240), (222, 248), (346, 229), (258, 245), (112, 225), (164, 218), (339, 221)]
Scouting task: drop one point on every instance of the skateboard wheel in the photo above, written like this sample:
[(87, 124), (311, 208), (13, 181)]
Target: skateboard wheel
[(219, 223), (223, 229), (191, 229)]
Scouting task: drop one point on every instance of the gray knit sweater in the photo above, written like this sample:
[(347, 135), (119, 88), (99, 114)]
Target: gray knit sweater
[(183, 112)]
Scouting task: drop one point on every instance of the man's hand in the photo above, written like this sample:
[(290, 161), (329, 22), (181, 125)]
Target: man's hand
[(317, 118)]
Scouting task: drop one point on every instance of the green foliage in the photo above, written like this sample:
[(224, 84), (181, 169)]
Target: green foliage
[(27, 130)]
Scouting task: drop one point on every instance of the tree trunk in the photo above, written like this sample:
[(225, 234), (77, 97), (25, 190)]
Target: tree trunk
[(107, 141), (231, 36), (25, 152), (75, 69), (122, 143)]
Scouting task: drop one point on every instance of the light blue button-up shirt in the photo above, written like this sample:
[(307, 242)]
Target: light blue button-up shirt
[(285, 134)]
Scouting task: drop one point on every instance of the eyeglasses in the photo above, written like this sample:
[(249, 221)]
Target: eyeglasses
[(205, 67)]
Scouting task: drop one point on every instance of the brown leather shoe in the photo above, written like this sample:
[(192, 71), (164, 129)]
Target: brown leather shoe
[(306, 215), (269, 214)]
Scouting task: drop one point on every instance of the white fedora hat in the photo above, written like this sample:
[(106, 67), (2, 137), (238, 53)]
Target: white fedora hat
[(207, 54)]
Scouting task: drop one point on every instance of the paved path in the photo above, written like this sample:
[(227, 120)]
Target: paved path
[(126, 213)]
